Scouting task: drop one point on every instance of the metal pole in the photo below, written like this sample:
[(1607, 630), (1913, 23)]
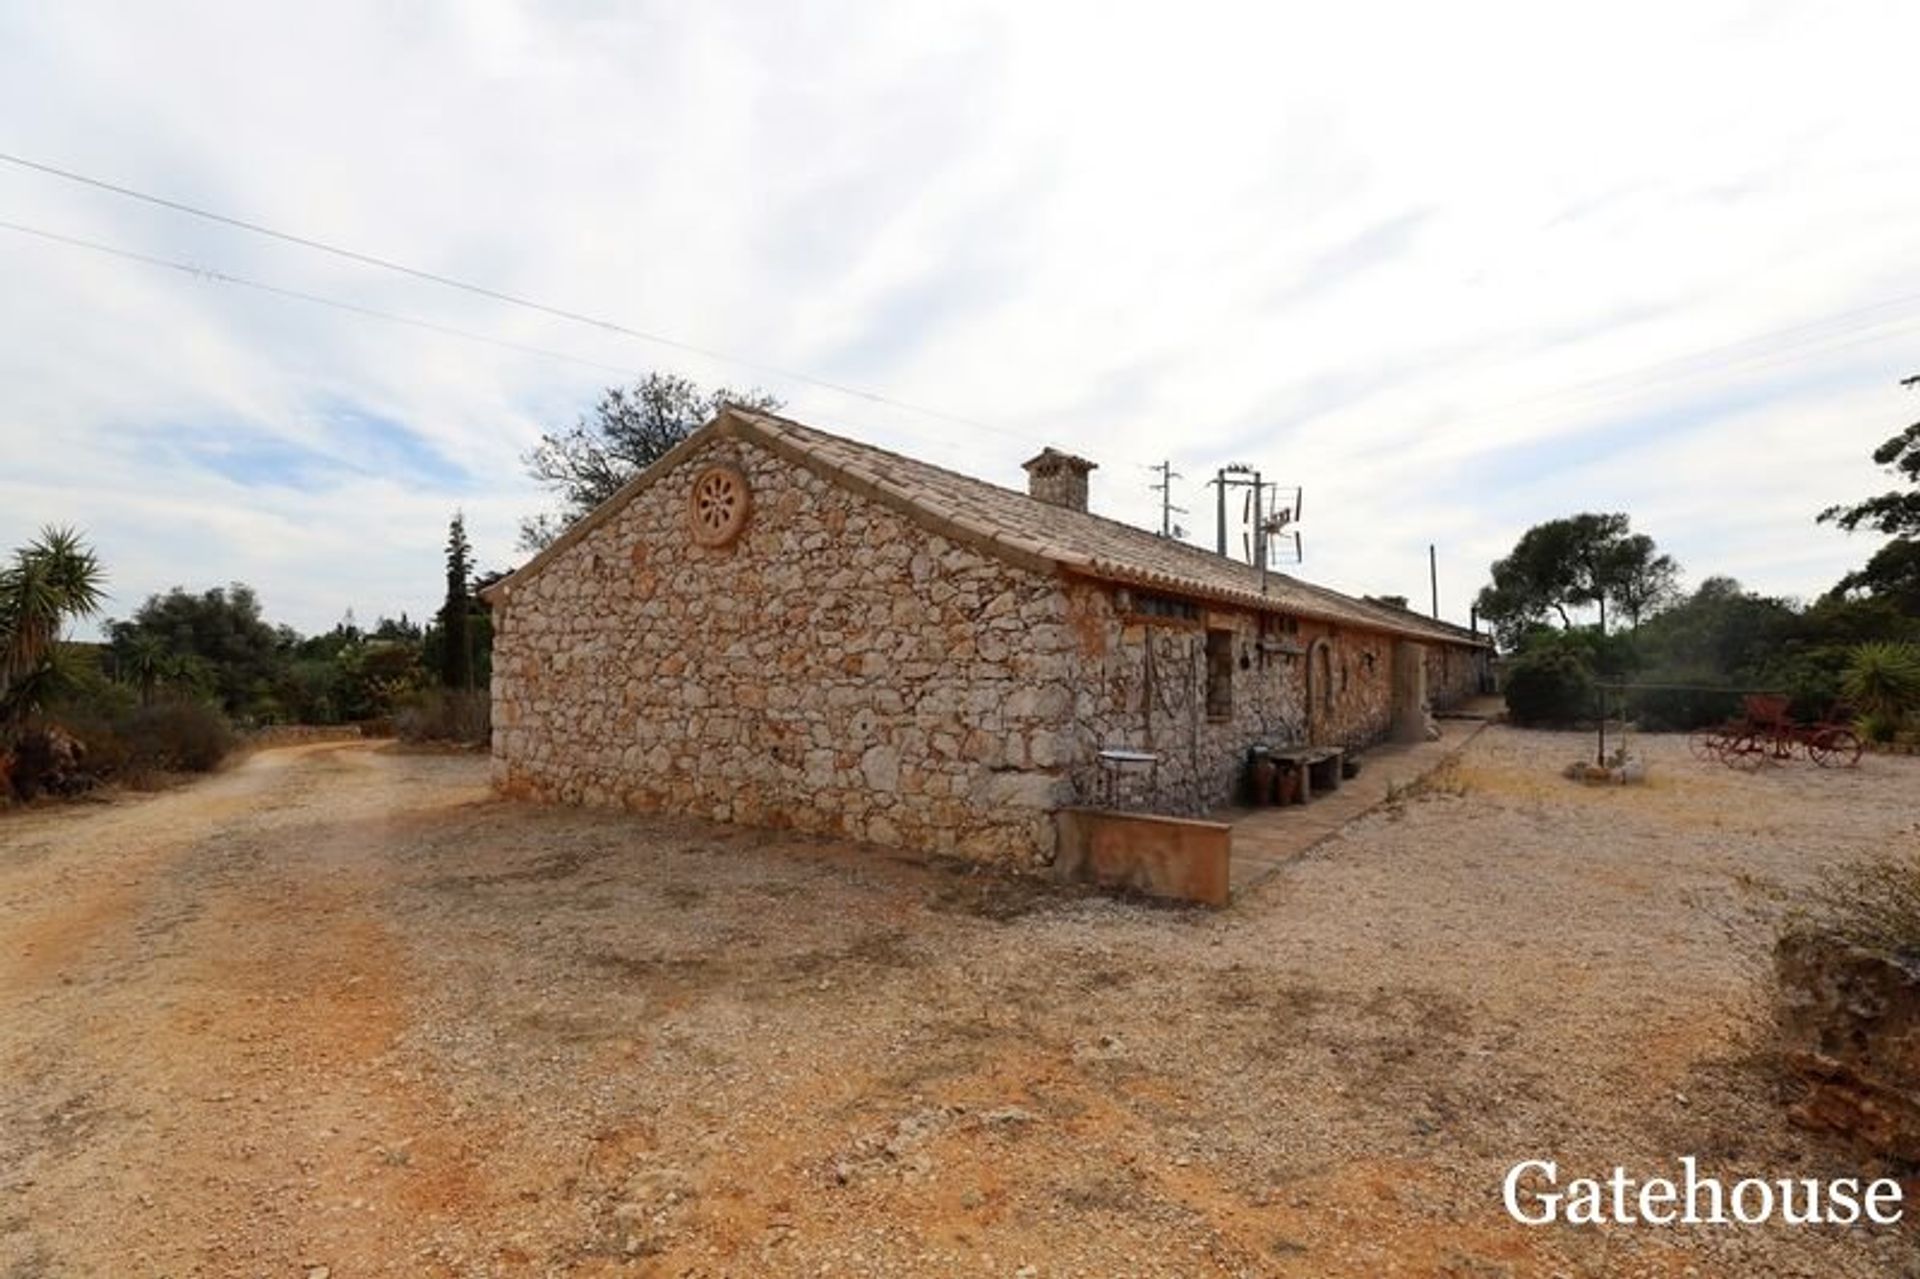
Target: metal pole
[(1259, 531), (1165, 489), (1220, 482), (1433, 578)]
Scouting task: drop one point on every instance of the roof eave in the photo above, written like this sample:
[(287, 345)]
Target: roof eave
[(1119, 575)]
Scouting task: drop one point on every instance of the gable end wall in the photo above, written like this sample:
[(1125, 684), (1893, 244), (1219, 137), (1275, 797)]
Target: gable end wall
[(838, 669)]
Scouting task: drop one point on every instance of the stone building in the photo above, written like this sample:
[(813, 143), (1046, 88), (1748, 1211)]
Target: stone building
[(784, 628)]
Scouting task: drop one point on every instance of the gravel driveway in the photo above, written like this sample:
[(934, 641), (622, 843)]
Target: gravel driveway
[(339, 1011)]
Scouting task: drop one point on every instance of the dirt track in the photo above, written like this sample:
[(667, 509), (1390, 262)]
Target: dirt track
[(338, 1008)]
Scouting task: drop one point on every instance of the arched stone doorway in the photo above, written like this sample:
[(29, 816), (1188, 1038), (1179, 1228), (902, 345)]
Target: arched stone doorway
[(1320, 690)]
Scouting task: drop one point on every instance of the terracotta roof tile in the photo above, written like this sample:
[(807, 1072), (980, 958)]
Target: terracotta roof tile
[(1083, 542)]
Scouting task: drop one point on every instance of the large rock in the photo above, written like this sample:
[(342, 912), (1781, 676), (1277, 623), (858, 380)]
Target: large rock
[(1849, 1019)]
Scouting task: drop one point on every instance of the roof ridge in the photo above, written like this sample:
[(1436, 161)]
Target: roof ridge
[(1133, 530), (1010, 524), (1205, 557)]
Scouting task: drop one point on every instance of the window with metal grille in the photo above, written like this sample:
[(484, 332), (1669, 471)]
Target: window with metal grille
[(1161, 606), (1219, 674)]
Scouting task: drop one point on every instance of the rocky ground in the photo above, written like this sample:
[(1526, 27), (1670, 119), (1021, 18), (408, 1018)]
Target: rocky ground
[(340, 1013)]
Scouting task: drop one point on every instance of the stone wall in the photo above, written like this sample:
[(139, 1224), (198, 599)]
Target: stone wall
[(1453, 674), (837, 669), (1142, 685), (1849, 1021), (1358, 708)]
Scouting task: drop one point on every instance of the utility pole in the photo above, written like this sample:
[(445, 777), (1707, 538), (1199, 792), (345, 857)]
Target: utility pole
[(1229, 477), (1260, 527), (1220, 483), (1433, 578), (1167, 509)]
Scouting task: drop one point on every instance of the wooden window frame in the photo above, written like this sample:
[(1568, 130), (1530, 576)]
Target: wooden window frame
[(1219, 674)]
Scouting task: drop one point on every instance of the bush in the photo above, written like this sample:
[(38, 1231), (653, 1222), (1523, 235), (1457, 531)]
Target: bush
[(177, 737), (1549, 684), (1873, 904), (166, 737), (1669, 710), (444, 715), (1808, 675), (1876, 728)]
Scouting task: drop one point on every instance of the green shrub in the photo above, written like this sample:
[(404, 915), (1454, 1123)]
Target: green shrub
[(166, 737), (107, 752), (444, 715), (179, 737), (1549, 684), (1884, 680), (1808, 675), (1668, 710), (1611, 657), (1876, 728)]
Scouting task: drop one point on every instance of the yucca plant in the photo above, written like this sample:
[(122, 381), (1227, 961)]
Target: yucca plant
[(51, 581), (1882, 681)]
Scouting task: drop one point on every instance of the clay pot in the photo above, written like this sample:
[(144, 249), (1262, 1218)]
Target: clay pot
[(1287, 786), (1260, 775)]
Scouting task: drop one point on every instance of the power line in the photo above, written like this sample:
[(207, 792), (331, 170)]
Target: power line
[(1810, 329), (499, 295), (1843, 330), (1805, 335), (1577, 402), (211, 275)]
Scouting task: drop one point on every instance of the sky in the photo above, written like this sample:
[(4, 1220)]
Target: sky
[(1453, 269)]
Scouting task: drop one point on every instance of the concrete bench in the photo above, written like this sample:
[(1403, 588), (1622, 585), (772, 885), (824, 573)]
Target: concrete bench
[(1319, 767)]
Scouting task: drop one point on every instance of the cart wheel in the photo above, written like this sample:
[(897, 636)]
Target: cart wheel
[(1745, 751), (1835, 748), (1704, 743)]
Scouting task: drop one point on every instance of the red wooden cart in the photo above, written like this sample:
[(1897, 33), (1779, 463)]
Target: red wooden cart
[(1767, 733)]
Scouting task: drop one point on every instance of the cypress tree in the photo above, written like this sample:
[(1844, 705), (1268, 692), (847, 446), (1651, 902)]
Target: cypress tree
[(456, 654)]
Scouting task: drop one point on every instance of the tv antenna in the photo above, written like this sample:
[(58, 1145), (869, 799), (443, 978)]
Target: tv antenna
[(1167, 509), (1269, 516), (1282, 524)]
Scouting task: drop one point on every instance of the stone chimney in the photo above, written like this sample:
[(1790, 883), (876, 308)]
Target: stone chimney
[(1059, 478)]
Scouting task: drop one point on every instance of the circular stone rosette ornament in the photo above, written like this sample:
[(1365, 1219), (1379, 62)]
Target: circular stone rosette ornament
[(717, 505)]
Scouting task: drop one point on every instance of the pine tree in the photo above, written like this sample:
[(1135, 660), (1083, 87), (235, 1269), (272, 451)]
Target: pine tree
[(456, 655)]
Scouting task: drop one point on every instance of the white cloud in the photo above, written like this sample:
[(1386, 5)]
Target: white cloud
[(1439, 267)]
